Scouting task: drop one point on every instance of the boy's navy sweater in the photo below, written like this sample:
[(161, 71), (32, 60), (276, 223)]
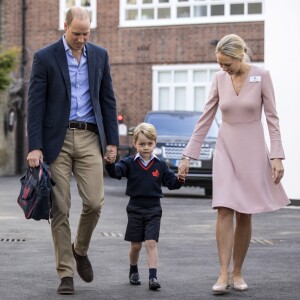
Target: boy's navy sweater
[(144, 182)]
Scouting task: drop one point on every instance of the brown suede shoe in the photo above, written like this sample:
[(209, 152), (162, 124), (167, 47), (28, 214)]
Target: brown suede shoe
[(66, 286), (84, 267)]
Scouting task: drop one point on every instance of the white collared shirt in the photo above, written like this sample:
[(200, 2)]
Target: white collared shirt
[(145, 163)]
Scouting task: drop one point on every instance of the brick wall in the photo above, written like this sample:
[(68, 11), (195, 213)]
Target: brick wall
[(132, 51)]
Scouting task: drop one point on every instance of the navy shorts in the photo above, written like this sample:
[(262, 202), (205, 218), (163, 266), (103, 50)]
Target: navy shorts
[(143, 222)]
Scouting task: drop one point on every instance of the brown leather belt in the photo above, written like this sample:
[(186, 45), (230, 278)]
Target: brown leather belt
[(82, 126)]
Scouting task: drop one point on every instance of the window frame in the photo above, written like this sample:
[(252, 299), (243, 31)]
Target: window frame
[(174, 4), (210, 68), (190, 85), (63, 10)]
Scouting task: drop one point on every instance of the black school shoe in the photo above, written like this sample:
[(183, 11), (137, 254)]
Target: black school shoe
[(153, 284), (66, 286), (134, 279)]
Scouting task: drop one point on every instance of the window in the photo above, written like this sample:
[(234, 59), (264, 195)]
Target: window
[(182, 87), (90, 5), (174, 12)]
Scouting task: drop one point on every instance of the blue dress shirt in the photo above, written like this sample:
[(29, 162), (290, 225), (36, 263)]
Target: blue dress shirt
[(81, 103)]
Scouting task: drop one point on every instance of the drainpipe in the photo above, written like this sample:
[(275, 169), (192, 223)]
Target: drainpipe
[(21, 106)]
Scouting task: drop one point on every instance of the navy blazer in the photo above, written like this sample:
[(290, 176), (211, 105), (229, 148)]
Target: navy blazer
[(49, 99)]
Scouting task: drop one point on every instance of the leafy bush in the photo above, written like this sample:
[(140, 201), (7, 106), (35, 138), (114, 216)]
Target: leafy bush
[(8, 61)]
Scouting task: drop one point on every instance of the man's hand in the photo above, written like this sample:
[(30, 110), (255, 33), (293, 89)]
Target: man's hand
[(110, 154), (34, 157)]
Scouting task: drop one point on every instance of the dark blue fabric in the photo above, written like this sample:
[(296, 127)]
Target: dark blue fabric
[(49, 99), (35, 193), (144, 182)]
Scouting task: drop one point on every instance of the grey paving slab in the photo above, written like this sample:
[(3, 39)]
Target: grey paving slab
[(188, 262)]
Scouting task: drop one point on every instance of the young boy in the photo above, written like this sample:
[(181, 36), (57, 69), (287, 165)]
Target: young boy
[(145, 175)]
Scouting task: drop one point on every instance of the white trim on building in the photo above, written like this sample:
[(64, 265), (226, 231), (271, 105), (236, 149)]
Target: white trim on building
[(142, 13), (284, 68)]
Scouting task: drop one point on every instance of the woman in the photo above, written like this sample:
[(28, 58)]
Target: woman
[(246, 175)]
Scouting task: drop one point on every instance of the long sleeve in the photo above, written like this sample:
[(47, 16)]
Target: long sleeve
[(169, 179), (193, 148), (268, 98), (117, 170)]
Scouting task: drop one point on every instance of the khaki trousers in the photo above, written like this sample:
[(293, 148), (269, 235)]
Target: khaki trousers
[(81, 156)]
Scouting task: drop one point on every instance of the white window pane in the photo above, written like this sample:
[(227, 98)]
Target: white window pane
[(237, 9), (183, 12), (85, 3), (163, 95), (164, 13), (90, 14), (163, 1), (200, 76), (254, 8), (199, 98), (212, 74), (180, 98), (200, 11), (148, 14), (147, 1), (180, 76), (164, 77), (131, 14), (131, 1), (70, 3), (217, 10)]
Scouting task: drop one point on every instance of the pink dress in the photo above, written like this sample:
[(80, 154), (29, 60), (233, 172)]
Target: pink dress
[(242, 175)]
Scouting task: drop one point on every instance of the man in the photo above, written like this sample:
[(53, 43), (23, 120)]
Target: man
[(71, 117)]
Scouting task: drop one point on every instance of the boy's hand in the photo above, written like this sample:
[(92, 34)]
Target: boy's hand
[(181, 174), (109, 160), (110, 154)]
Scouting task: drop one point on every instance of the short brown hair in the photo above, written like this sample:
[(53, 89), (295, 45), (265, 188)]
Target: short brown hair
[(76, 12)]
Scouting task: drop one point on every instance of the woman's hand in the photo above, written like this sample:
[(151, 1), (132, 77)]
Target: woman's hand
[(184, 166), (277, 170)]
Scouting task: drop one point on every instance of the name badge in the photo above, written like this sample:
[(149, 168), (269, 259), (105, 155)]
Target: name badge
[(255, 78)]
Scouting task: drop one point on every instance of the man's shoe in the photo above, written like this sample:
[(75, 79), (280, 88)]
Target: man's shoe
[(66, 286), (153, 284), (84, 267), (134, 279)]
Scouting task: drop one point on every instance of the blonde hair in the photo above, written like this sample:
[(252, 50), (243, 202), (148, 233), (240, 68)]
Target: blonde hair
[(234, 46), (148, 130)]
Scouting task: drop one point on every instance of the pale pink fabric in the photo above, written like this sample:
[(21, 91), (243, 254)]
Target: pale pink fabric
[(242, 178)]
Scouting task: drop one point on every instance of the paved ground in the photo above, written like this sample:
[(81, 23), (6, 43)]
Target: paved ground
[(188, 263)]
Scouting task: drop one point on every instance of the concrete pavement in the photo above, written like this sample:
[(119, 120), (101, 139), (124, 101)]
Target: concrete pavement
[(188, 262)]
